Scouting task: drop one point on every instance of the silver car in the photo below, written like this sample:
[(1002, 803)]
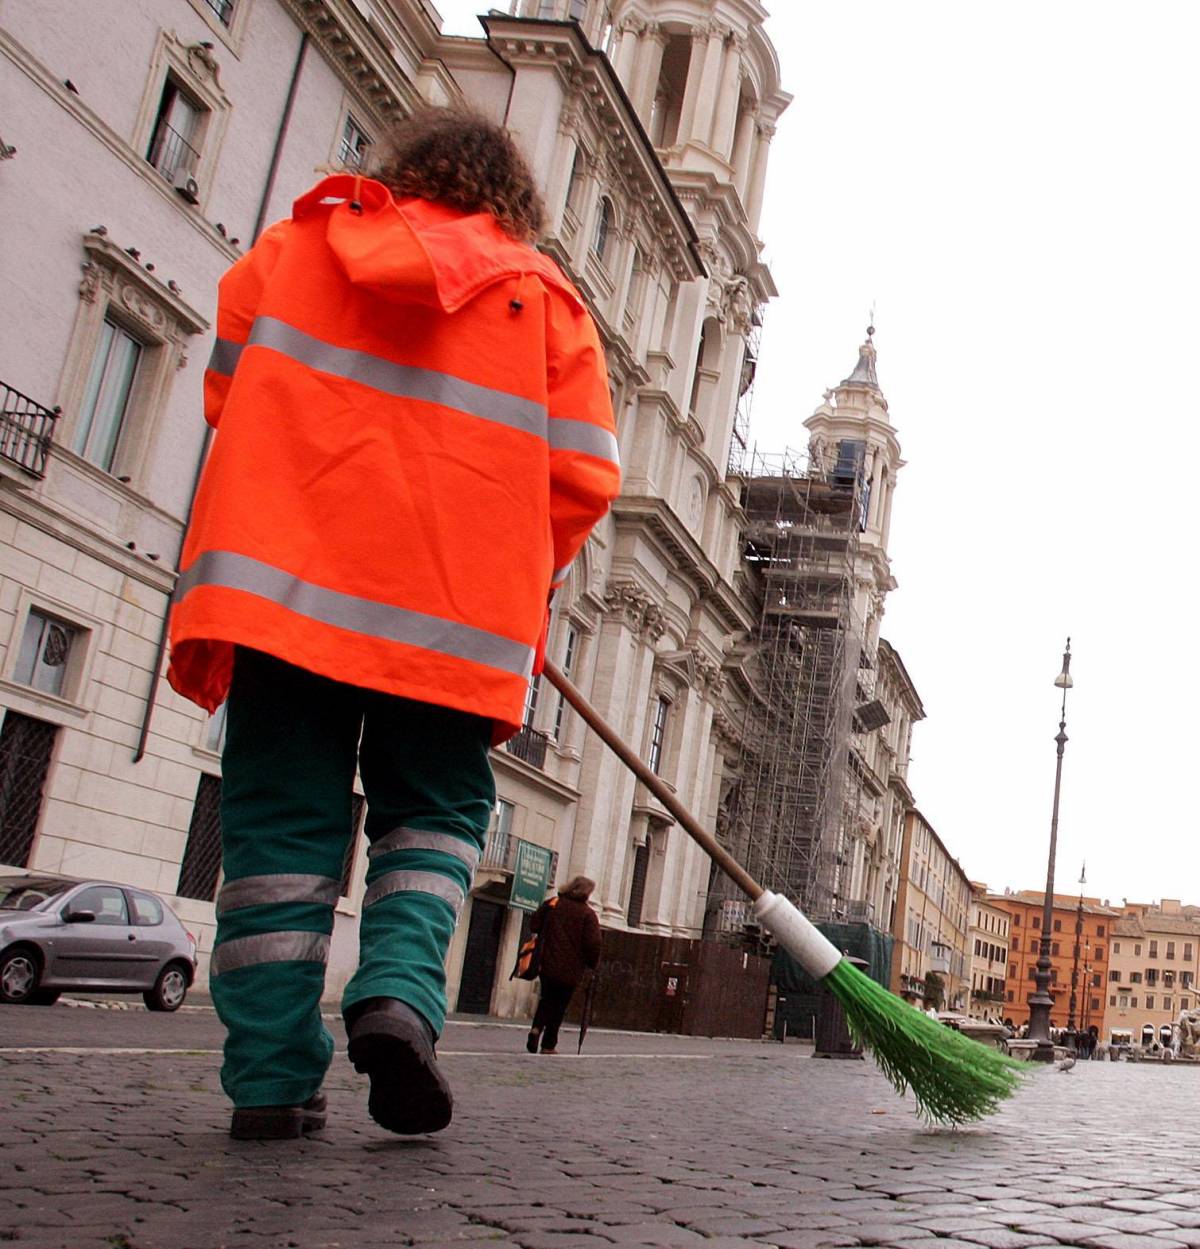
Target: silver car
[(57, 933)]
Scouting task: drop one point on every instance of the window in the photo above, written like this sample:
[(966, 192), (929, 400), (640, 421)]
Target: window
[(1137, 950), (1154, 949), (1098, 952), (1114, 976), (1095, 980), (1151, 975), (106, 399), (1187, 951), (1054, 948), (605, 220), (1033, 944), (637, 885), (1135, 977), (567, 666), (1149, 1001), (1058, 925), (1166, 1002), (174, 141), (658, 735), (1168, 979), (1099, 930), (575, 182), (1010, 995), (147, 911), (1183, 1003), (355, 142), (1037, 921), (1016, 921), (1033, 973), (42, 661), (223, 9), (1012, 969), (1116, 947), (1171, 950), (1133, 1003), (1095, 1003), (531, 702), (1112, 1001), (1123, 1001), (26, 747), (201, 864), (106, 902)]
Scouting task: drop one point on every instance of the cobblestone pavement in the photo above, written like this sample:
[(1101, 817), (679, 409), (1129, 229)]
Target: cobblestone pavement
[(114, 1135)]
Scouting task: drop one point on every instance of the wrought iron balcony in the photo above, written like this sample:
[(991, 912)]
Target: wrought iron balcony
[(26, 431), (529, 745), (171, 154)]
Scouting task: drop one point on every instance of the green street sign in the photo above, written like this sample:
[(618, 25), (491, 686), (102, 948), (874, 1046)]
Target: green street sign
[(531, 876)]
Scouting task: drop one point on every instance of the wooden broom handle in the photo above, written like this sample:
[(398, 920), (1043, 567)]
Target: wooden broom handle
[(705, 840)]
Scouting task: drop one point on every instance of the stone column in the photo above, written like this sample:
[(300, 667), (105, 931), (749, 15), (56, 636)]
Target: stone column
[(695, 119), (743, 143), (728, 97), (758, 175), (651, 43), (624, 53)]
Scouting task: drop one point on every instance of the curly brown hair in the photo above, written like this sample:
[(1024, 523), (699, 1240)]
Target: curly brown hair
[(460, 157)]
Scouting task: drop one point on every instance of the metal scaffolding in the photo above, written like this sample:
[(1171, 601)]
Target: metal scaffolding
[(785, 809)]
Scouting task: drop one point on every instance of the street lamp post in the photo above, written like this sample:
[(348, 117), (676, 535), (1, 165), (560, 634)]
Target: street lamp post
[(1072, 1038), (1040, 1000)]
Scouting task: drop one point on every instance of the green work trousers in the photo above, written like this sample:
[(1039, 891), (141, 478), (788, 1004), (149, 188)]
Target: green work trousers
[(293, 742)]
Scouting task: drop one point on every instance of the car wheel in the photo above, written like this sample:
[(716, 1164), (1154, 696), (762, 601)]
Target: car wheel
[(169, 989), (20, 970)]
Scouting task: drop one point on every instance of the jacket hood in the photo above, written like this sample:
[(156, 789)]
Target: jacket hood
[(419, 251)]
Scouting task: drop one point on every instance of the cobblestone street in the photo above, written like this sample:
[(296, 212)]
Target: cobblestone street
[(115, 1136)]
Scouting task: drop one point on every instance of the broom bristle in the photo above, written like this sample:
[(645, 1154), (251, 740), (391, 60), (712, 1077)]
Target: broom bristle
[(954, 1079)]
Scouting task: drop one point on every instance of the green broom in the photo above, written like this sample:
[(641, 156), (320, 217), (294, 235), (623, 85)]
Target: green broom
[(953, 1078)]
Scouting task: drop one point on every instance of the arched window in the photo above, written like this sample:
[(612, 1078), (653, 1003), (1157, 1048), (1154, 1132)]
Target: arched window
[(604, 225)]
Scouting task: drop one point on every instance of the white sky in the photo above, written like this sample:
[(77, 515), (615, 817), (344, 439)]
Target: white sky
[(1015, 189)]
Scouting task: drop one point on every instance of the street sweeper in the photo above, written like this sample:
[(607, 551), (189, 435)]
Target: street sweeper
[(414, 438)]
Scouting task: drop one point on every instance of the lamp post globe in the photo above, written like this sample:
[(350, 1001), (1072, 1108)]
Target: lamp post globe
[(1040, 1001)]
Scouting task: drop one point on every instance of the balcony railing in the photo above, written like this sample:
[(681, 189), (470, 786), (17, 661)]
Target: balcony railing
[(26, 431), (171, 154), (223, 9), (529, 745)]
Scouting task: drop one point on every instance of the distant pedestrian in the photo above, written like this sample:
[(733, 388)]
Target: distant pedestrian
[(569, 946), (415, 437)]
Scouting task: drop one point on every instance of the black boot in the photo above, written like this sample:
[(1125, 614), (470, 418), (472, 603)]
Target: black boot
[(393, 1044), (278, 1123)]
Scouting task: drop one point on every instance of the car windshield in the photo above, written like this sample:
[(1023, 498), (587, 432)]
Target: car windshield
[(29, 893)]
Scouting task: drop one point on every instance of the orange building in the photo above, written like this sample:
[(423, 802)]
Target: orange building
[(1024, 942)]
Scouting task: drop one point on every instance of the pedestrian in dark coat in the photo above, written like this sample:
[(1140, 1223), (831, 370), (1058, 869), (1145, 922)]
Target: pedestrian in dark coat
[(569, 945)]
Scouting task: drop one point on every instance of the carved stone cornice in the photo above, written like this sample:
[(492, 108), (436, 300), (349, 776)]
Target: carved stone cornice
[(628, 602), (142, 296)]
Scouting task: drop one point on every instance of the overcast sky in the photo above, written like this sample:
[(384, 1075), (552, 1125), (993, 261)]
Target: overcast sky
[(1014, 188)]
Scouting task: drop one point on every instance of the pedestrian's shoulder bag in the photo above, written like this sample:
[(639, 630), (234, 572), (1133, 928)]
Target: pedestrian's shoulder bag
[(529, 957)]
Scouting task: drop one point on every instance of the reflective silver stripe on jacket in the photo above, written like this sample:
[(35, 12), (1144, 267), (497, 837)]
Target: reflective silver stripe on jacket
[(423, 839), (357, 615), (415, 882), (402, 380), (269, 947), (568, 435), (224, 358), (286, 887)]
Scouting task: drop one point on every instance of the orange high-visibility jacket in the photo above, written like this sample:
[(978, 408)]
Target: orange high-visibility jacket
[(414, 439)]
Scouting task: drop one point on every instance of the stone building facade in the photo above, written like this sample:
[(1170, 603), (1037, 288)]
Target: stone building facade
[(989, 956), (1025, 930), (141, 168), (1153, 965), (933, 919)]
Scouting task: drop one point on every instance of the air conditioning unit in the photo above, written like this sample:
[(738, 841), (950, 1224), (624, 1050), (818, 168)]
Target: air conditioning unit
[(187, 186)]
